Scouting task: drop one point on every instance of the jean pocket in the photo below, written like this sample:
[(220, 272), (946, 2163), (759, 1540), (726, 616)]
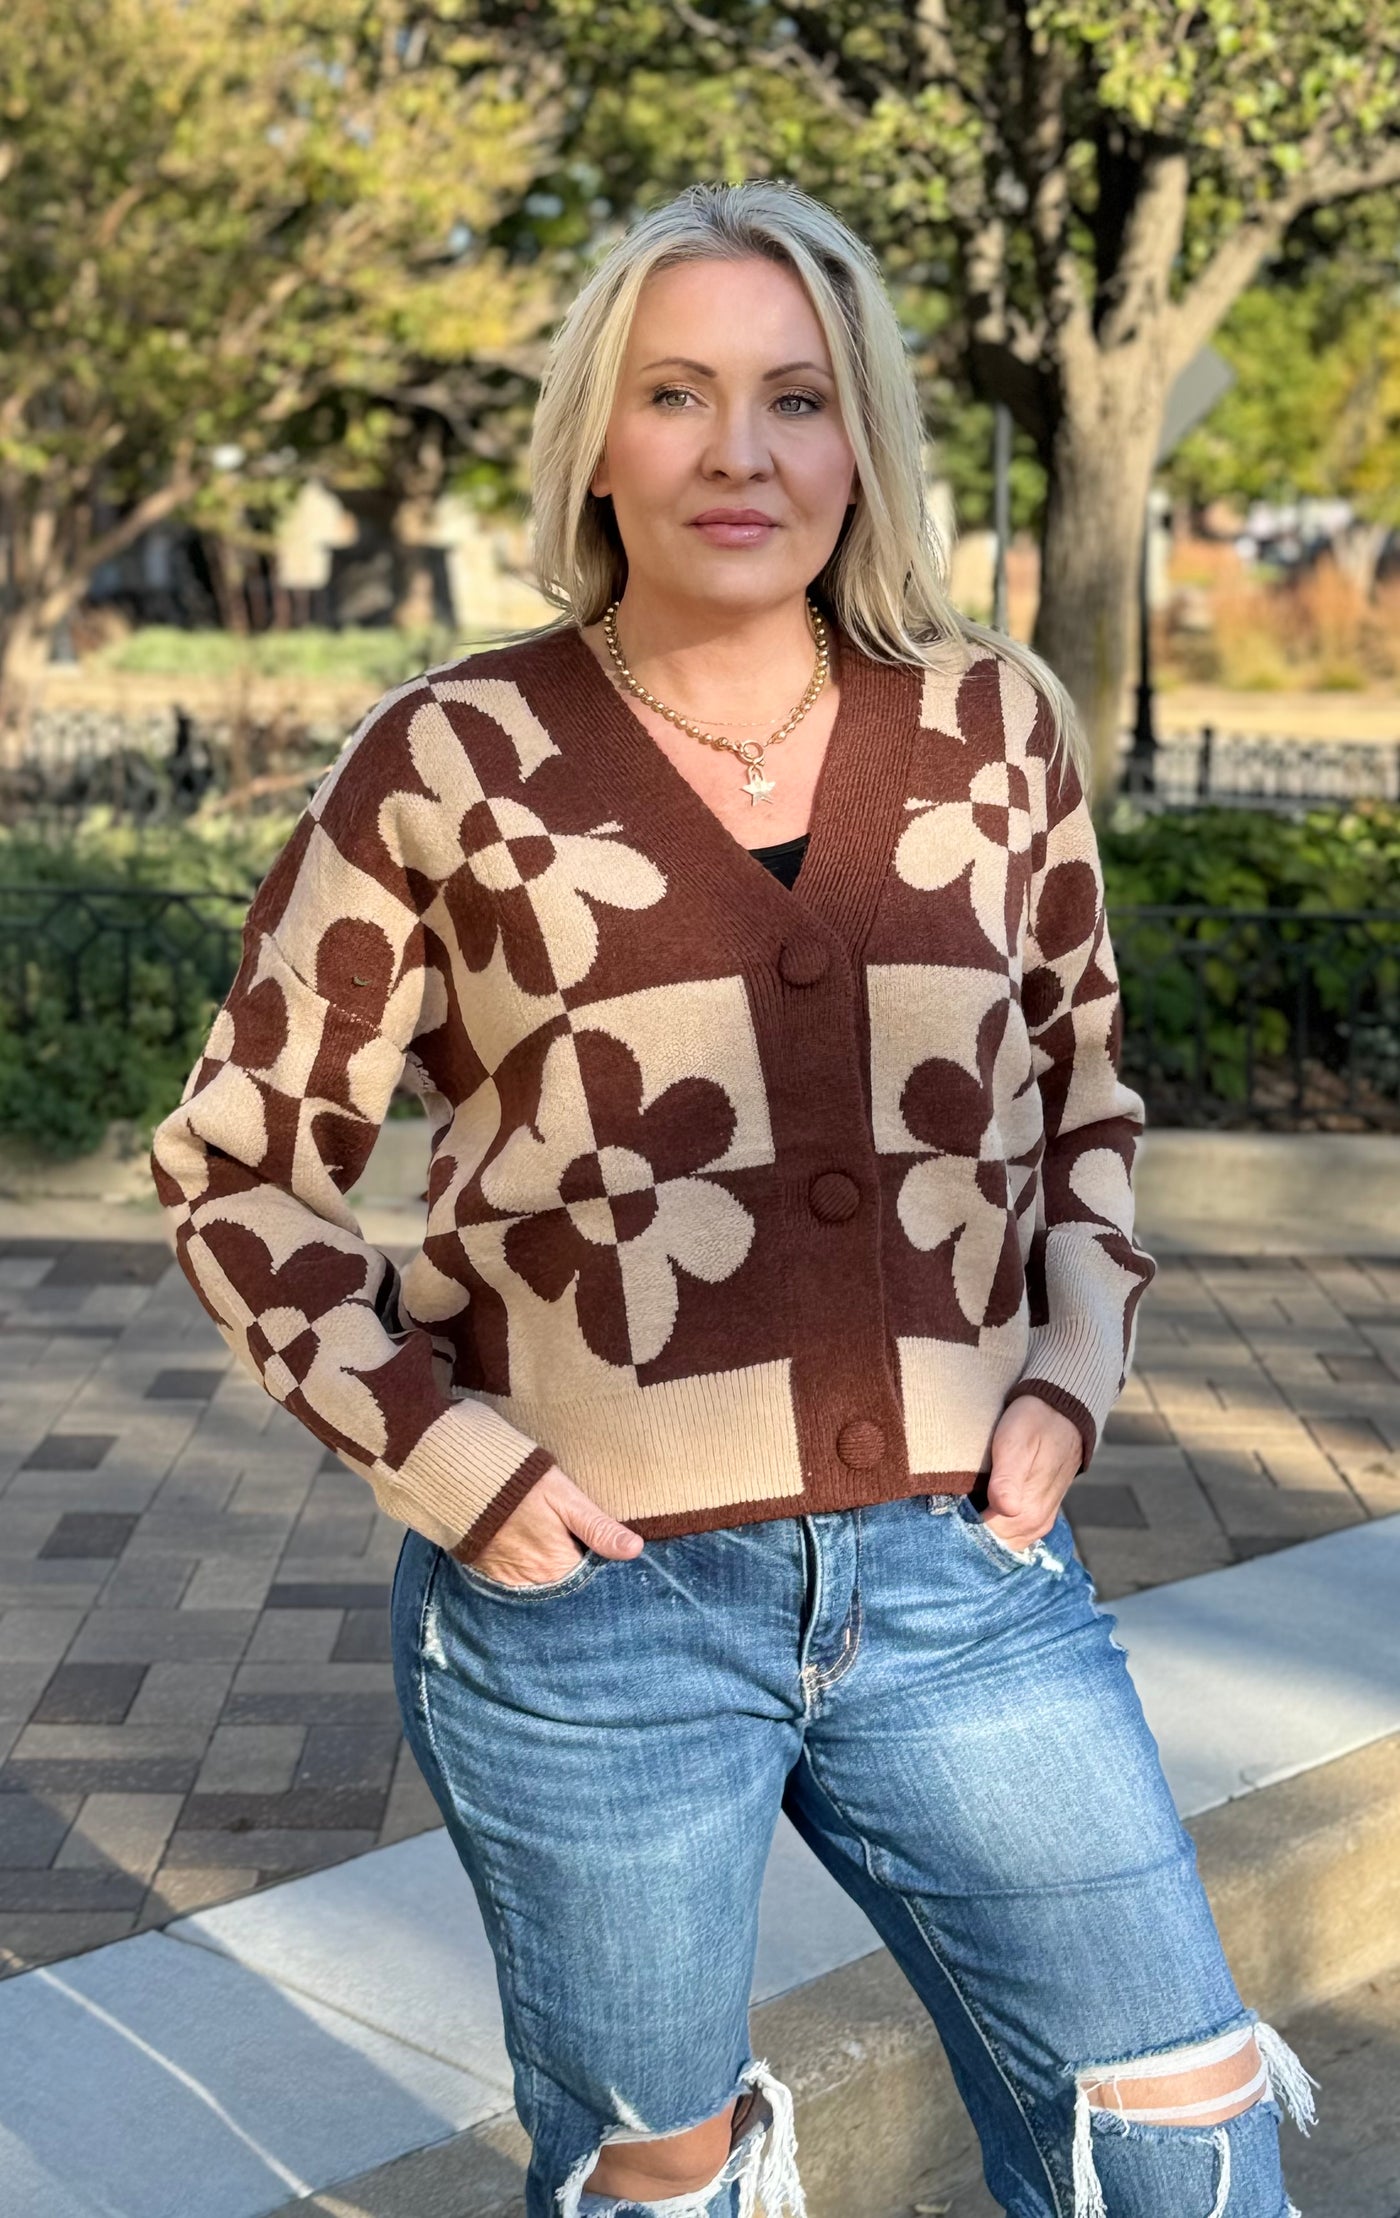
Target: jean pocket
[(544, 1590), (999, 1553)]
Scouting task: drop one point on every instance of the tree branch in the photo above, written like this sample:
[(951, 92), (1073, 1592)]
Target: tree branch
[(1043, 86), (1137, 289), (55, 604), (1238, 259)]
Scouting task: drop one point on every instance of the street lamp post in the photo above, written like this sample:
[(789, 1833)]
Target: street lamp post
[(1140, 771)]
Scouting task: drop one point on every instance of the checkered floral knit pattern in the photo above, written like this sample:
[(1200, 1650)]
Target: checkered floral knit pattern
[(744, 1201)]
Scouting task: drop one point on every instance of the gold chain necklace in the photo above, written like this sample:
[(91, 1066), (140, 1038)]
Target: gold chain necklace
[(749, 751)]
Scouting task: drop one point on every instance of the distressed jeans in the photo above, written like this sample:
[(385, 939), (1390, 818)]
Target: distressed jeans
[(949, 1725)]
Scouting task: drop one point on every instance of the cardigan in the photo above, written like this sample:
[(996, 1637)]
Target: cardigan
[(744, 1201)]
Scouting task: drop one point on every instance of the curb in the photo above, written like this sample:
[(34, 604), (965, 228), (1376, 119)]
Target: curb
[(1306, 1890)]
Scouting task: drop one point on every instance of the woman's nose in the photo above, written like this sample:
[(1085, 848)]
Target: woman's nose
[(739, 442)]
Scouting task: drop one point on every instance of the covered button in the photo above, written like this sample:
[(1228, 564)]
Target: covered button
[(860, 1444), (803, 961), (834, 1197)]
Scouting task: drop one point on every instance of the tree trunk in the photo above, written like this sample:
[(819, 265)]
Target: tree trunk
[(415, 593), (24, 652), (1357, 549), (1099, 474), (420, 482), (58, 559)]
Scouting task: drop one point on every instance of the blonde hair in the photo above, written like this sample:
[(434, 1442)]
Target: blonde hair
[(886, 580)]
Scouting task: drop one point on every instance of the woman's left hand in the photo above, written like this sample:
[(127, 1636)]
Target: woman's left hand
[(1036, 1453)]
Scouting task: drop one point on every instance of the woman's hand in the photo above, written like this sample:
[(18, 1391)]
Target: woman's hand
[(1035, 1454), (539, 1541)]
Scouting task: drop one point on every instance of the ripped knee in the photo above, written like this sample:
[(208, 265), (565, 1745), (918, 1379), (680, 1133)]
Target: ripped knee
[(1197, 2088), (1203, 2085), (668, 2164), (751, 2139)]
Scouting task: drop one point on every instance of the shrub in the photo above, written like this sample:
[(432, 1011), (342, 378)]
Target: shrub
[(1227, 1010), (1229, 858)]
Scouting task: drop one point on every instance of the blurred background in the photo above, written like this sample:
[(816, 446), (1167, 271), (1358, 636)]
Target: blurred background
[(276, 287)]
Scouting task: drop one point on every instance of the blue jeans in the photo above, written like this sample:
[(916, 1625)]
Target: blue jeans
[(952, 1729)]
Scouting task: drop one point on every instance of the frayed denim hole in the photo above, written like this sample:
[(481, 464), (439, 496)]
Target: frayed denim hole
[(1109, 2122), (1138, 2129)]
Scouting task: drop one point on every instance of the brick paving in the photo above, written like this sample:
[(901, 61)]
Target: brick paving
[(195, 1690)]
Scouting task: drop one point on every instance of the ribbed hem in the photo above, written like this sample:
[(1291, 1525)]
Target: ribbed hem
[(1068, 1405), (704, 1443)]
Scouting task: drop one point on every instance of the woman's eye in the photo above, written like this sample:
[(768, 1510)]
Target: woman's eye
[(673, 400)]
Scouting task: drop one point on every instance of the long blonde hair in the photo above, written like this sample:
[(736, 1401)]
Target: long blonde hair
[(886, 580)]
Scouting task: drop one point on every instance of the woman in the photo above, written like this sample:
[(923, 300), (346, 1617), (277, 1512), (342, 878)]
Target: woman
[(779, 1220)]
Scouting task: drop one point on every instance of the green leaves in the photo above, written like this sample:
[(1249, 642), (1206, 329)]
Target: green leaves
[(214, 216)]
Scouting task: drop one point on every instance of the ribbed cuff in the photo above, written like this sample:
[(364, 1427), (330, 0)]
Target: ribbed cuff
[(498, 1509), (1068, 1405), (464, 1466)]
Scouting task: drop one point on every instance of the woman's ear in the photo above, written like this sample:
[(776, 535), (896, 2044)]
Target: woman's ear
[(598, 484)]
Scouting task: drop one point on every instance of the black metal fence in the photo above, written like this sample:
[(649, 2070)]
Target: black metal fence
[(158, 769), (97, 952), (1262, 771), (1266, 1017)]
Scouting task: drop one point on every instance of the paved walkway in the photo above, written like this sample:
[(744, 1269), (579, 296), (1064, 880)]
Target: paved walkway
[(195, 1692)]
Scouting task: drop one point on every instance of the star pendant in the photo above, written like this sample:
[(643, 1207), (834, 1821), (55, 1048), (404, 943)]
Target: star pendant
[(758, 788)]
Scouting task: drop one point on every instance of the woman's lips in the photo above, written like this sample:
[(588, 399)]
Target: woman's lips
[(727, 534)]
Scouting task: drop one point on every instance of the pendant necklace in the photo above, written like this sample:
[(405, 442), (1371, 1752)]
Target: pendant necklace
[(749, 751)]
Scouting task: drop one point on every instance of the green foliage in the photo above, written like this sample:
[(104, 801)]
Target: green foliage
[(1226, 858), (1215, 1001), (64, 1077), (215, 216), (373, 654), (1316, 405), (227, 854)]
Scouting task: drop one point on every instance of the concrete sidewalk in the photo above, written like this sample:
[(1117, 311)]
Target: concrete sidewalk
[(195, 1693)]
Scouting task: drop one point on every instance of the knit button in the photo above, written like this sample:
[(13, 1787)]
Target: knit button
[(834, 1197), (860, 1444), (802, 962)]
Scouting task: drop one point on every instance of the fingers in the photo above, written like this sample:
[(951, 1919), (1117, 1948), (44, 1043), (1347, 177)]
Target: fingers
[(1035, 1455), (593, 1526)]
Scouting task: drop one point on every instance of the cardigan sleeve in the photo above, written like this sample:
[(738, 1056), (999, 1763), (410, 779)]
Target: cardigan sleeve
[(1087, 1271), (276, 1123)]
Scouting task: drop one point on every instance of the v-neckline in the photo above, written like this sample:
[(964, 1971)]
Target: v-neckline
[(857, 776)]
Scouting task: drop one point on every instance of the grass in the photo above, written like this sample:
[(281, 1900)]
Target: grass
[(363, 655)]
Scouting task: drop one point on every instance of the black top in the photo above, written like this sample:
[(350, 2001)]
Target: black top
[(784, 859)]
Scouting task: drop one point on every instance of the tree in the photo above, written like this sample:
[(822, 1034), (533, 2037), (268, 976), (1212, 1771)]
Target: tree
[(211, 217), (1082, 187), (1315, 409)]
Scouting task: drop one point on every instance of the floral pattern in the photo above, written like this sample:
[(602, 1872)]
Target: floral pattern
[(967, 1189), (506, 878), (622, 1218), (977, 842)]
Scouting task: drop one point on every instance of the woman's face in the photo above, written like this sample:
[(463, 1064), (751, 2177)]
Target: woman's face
[(726, 402)]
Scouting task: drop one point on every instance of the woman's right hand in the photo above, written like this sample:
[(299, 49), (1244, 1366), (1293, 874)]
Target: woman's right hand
[(539, 1541)]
